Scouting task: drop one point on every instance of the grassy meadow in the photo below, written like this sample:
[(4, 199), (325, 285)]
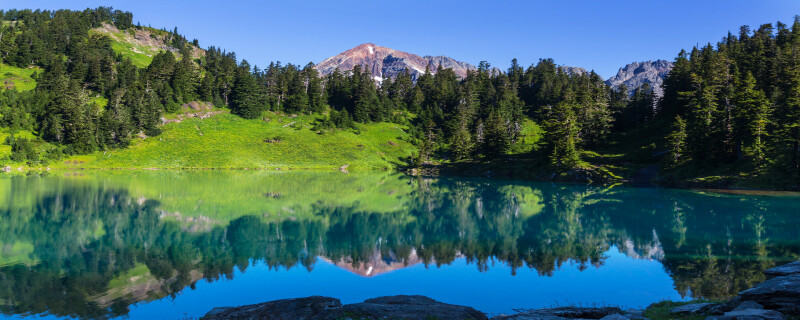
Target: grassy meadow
[(272, 142)]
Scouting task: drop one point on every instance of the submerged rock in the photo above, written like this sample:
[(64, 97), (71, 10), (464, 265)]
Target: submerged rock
[(784, 270), (310, 308), (410, 308)]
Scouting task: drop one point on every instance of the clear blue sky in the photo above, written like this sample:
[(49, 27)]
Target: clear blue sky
[(602, 35)]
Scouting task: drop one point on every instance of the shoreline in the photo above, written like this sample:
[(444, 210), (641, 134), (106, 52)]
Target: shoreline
[(430, 171)]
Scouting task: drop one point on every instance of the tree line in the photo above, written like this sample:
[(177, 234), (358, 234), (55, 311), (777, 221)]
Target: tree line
[(735, 103), (738, 102)]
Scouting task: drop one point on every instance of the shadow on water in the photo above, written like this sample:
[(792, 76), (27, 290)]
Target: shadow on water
[(91, 246)]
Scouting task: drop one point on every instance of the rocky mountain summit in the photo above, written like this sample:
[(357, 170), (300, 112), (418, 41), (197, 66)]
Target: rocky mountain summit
[(384, 62), (635, 74), (577, 71), (775, 299)]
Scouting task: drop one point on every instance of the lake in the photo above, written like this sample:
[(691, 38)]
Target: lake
[(172, 245)]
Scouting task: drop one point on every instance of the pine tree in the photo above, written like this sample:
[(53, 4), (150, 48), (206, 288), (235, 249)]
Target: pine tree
[(752, 119), (496, 141), (561, 134), (676, 141), (246, 99)]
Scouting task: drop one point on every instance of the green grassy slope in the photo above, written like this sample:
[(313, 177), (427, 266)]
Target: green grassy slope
[(227, 141), (17, 78)]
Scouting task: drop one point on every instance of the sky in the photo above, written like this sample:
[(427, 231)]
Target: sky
[(600, 35)]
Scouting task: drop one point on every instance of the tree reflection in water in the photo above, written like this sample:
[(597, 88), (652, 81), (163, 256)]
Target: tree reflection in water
[(92, 246)]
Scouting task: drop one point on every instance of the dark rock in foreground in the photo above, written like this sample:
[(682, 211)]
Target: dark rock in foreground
[(410, 308), (693, 308), (781, 293), (324, 308), (750, 314), (567, 313), (310, 308), (784, 270)]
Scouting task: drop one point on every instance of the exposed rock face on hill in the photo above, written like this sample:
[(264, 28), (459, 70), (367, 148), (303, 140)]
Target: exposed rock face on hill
[(635, 74), (146, 41), (573, 70), (387, 63)]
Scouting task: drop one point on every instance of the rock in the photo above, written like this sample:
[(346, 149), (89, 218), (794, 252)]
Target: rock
[(573, 71), (217, 311), (615, 317), (566, 313), (7, 169), (694, 308), (784, 270), (410, 308), (635, 74), (310, 308), (748, 305), (635, 314), (781, 293), (384, 62), (343, 168), (750, 314)]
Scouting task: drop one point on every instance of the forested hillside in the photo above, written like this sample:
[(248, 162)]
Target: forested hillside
[(90, 82), (736, 106)]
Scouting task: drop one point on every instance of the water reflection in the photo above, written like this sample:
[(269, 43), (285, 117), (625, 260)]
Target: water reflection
[(91, 246)]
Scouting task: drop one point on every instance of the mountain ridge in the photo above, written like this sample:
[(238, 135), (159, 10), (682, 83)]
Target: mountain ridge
[(638, 73), (385, 62)]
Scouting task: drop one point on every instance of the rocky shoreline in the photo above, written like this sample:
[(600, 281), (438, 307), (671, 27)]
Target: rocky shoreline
[(775, 299)]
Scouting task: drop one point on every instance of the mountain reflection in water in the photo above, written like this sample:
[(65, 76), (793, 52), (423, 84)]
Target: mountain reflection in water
[(91, 246)]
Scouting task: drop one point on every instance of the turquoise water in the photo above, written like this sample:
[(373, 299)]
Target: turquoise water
[(173, 245)]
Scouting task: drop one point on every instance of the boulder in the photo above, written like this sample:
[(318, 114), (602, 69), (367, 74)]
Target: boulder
[(310, 308), (634, 314), (694, 308), (748, 305), (750, 314), (781, 293), (410, 308), (784, 270), (562, 313), (615, 317)]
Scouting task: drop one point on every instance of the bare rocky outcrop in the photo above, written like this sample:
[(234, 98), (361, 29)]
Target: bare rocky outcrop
[(694, 308), (144, 40), (781, 293), (384, 62), (564, 313), (784, 270), (324, 308), (635, 74), (573, 71), (310, 308), (410, 308)]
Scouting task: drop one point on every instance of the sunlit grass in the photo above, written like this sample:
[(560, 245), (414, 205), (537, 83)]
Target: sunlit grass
[(228, 141), (18, 78)]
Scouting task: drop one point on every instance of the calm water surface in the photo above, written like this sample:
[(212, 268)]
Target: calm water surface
[(171, 245)]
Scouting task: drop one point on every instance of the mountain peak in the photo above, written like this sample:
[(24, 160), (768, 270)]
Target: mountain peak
[(635, 74), (384, 62)]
